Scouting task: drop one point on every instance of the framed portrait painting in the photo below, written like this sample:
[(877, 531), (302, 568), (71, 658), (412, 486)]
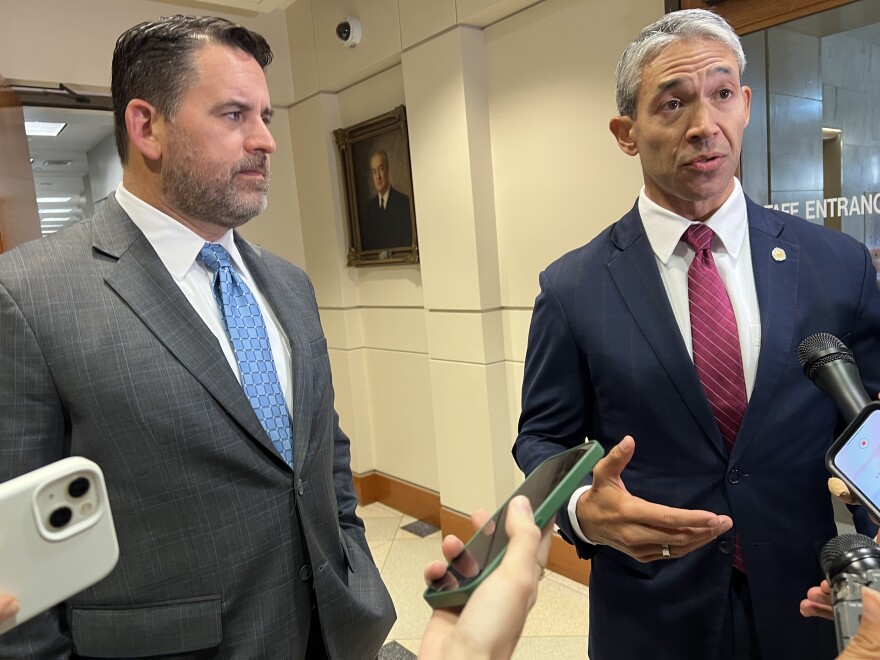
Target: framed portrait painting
[(379, 191)]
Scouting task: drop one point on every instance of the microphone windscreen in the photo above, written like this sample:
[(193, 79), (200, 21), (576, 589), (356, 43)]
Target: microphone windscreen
[(842, 544), (818, 349)]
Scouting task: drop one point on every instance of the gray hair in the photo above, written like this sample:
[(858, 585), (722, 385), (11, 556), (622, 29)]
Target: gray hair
[(380, 152), (673, 27)]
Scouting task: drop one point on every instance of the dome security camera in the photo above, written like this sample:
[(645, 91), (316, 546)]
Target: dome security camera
[(349, 31)]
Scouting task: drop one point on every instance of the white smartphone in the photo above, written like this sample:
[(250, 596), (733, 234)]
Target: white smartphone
[(56, 535)]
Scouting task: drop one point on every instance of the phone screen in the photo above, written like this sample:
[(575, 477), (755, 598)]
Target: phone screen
[(488, 543), (858, 460)]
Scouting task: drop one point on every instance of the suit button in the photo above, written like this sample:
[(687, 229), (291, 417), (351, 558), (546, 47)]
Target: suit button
[(733, 476), (726, 547), (299, 486), (305, 572)]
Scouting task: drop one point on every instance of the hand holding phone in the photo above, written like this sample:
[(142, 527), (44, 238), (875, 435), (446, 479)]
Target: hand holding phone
[(854, 457), (56, 535), (490, 625), (547, 488)]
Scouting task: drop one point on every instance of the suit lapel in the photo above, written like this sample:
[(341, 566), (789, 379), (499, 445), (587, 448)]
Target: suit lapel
[(141, 280), (777, 289), (287, 309), (633, 268)]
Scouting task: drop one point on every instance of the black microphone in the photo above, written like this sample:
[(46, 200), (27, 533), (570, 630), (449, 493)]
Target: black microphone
[(831, 366), (850, 562)]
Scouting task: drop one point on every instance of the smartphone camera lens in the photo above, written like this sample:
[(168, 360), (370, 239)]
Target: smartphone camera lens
[(78, 487), (60, 517)]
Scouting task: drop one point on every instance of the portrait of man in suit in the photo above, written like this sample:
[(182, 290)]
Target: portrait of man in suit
[(671, 338), (386, 219), (191, 366)]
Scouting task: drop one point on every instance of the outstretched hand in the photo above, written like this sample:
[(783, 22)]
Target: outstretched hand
[(491, 622), (609, 515)]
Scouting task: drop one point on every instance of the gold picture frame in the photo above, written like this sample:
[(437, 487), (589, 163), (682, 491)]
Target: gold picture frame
[(379, 191)]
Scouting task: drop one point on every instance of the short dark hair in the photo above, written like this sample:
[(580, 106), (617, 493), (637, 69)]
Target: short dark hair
[(153, 61)]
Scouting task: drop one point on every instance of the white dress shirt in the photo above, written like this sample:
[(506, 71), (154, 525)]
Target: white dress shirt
[(177, 247), (733, 258)]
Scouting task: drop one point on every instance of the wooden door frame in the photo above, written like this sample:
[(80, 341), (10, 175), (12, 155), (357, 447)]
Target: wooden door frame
[(752, 15), (19, 217)]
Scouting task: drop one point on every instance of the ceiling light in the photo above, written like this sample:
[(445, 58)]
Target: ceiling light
[(43, 128), (52, 200), (68, 210)]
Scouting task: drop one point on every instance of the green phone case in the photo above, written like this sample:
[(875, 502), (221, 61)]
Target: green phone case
[(558, 497)]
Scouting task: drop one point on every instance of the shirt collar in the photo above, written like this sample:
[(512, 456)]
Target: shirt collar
[(175, 243), (664, 228)]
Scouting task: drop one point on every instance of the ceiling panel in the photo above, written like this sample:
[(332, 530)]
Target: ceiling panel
[(261, 6), (60, 163)]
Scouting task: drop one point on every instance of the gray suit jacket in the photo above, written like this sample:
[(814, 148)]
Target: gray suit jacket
[(102, 356)]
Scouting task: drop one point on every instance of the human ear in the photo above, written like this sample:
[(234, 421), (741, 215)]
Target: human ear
[(144, 126), (623, 129)]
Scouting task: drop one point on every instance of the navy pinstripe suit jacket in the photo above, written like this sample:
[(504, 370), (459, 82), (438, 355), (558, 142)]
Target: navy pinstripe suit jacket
[(606, 358)]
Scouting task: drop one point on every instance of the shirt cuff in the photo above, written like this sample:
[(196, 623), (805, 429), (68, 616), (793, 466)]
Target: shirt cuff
[(572, 514)]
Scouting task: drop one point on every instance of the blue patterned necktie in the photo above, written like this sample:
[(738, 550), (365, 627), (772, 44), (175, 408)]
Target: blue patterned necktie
[(247, 332)]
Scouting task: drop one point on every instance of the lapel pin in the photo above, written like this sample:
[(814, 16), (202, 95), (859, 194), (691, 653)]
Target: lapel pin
[(778, 254)]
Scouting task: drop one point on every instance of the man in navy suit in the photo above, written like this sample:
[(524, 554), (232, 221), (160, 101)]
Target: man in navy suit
[(387, 220), (702, 546)]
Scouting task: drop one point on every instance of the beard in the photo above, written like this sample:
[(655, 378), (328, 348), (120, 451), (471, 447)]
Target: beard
[(211, 194)]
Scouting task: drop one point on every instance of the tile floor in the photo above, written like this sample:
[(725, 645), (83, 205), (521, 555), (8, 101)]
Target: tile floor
[(557, 625)]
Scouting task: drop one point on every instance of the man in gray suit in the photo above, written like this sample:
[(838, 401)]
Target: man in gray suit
[(120, 342)]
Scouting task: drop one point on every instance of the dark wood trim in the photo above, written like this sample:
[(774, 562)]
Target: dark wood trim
[(564, 560), (62, 97), (415, 501), (366, 487), (752, 15), (424, 504)]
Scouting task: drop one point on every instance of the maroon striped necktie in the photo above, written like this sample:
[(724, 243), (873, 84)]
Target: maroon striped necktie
[(717, 356)]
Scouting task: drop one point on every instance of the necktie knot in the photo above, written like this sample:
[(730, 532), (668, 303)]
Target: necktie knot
[(214, 257), (699, 237)]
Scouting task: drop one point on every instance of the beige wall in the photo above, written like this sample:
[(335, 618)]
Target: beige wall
[(508, 103)]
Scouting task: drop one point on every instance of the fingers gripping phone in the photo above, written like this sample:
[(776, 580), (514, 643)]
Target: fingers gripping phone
[(56, 535), (548, 488), (854, 457)]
